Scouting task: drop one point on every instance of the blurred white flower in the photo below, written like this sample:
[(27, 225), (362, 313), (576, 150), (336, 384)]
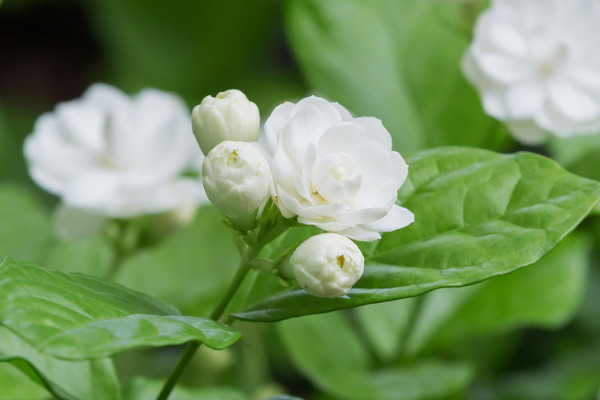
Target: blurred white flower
[(236, 178), (74, 223), (228, 116), (117, 156), (334, 171), (327, 265), (536, 65)]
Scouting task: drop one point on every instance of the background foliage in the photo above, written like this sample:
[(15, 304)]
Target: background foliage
[(532, 334)]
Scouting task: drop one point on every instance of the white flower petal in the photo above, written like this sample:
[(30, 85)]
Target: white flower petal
[(375, 130), (527, 132), (397, 218), (573, 103), (523, 100), (93, 190), (105, 97), (332, 171), (536, 66), (503, 68), (116, 156)]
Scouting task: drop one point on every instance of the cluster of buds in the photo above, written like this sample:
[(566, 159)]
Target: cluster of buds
[(319, 165), (235, 175)]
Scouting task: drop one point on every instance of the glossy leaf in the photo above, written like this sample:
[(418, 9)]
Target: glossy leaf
[(338, 364), (66, 380), (75, 316), (478, 214), (545, 295)]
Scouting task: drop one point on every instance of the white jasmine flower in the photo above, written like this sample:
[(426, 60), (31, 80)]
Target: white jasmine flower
[(334, 171), (116, 156), (536, 65), (229, 116), (236, 178), (327, 265)]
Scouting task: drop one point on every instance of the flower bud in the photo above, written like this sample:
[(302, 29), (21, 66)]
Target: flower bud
[(327, 265), (236, 178), (229, 116)]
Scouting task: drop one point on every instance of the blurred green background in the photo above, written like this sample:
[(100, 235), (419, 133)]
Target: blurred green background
[(531, 335)]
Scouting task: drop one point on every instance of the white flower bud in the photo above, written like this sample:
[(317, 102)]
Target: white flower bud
[(236, 178), (229, 116), (327, 265)]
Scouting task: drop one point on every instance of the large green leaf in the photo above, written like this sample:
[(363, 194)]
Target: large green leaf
[(327, 351), (75, 316), (478, 214), (545, 295), (16, 386), (397, 60), (66, 380)]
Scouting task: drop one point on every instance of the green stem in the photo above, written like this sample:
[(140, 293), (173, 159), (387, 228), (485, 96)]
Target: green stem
[(124, 240), (115, 264), (217, 313), (265, 235), (415, 313)]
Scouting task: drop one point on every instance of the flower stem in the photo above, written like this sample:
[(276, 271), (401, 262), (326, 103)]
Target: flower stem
[(417, 309), (217, 313), (274, 226)]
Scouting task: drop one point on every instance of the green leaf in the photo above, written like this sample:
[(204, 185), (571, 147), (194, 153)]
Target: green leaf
[(66, 380), (338, 364), (75, 316), (478, 214), (571, 376), (143, 389), (16, 386), (545, 295), (398, 60), (384, 323), (106, 337), (26, 230), (190, 269), (91, 256), (349, 55)]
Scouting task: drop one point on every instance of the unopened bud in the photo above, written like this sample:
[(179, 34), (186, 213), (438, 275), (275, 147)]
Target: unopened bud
[(236, 178), (228, 116), (327, 265)]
